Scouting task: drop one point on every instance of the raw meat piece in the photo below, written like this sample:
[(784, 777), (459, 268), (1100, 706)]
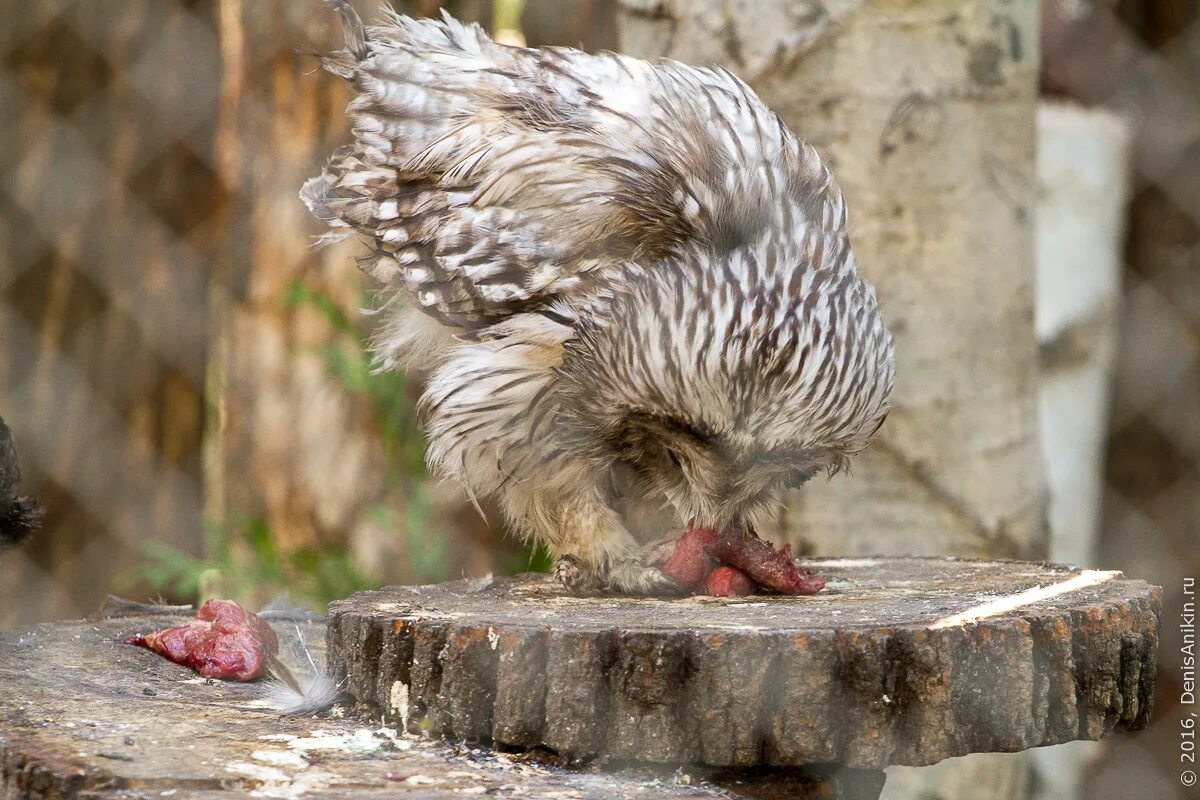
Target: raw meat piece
[(690, 562), (770, 568), (729, 582), (223, 641), (701, 550)]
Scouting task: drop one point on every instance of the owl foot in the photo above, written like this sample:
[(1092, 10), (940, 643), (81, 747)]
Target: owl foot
[(628, 576), (571, 574), (633, 577)]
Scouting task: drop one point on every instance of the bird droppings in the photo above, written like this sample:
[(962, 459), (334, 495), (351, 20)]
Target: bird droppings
[(270, 782), (421, 780), (358, 741), (280, 758), (258, 772), (398, 702)]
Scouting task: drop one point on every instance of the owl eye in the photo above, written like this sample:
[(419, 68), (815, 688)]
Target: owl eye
[(671, 454)]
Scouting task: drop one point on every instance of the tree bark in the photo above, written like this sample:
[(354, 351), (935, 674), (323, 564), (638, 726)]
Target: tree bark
[(288, 442), (273, 452), (1083, 169), (925, 112), (862, 675)]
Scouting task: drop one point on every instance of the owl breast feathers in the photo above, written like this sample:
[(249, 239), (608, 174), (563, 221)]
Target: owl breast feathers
[(629, 283)]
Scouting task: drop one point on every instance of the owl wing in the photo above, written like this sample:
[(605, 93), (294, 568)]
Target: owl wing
[(494, 179)]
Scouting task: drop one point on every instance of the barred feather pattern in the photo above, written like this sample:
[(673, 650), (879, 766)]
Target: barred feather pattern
[(624, 278)]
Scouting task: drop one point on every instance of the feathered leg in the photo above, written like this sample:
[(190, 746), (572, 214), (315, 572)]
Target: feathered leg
[(593, 551), (492, 426)]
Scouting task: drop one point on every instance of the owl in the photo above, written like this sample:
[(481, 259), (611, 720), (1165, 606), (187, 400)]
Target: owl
[(627, 283)]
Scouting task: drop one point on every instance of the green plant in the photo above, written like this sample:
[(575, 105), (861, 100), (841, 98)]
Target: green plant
[(348, 359), (244, 563), (242, 558)]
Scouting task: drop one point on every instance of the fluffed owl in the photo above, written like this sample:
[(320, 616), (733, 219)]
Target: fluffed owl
[(628, 283)]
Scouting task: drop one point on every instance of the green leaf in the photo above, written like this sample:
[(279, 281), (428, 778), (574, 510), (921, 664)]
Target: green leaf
[(300, 293)]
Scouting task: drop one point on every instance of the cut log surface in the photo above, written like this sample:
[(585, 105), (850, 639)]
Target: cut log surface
[(898, 661), (84, 716)]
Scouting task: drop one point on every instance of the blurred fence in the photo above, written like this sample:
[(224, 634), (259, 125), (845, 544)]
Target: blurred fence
[(1142, 59), (171, 351), (184, 373), (109, 199), (179, 366)]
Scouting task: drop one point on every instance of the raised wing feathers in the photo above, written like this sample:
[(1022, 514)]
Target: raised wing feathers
[(493, 179)]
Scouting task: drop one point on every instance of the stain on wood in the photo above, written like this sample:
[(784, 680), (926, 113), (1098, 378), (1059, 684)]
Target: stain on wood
[(899, 661)]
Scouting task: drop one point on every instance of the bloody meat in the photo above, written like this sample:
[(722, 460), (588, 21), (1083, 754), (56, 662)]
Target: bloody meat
[(701, 552), (768, 567), (727, 581), (691, 561), (224, 641)]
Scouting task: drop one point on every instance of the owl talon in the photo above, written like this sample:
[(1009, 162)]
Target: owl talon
[(567, 571), (574, 576), (633, 577)]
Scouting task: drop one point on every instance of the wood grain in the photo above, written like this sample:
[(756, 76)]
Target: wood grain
[(873, 671)]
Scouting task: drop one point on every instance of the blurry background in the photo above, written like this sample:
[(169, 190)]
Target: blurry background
[(186, 379)]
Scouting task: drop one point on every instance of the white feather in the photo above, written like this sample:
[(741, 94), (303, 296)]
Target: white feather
[(297, 683)]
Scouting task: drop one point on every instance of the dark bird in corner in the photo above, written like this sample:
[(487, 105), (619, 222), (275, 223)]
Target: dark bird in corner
[(20, 516)]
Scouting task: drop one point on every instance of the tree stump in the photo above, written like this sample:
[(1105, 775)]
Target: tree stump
[(898, 661), (85, 717)]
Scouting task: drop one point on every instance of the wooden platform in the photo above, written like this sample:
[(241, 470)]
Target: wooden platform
[(85, 717), (898, 661)]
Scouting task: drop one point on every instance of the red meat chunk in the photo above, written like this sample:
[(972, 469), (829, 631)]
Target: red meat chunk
[(701, 553), (729, 582), (771, 568), (691, 562), (224, 641)]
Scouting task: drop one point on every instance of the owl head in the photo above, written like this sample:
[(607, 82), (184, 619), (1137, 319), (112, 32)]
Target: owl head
[(720, 381)]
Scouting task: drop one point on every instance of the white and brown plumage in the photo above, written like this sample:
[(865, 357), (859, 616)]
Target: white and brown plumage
[(628, 281)]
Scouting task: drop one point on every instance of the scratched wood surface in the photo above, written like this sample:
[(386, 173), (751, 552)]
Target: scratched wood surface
[(84, 716), (898, 661)]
